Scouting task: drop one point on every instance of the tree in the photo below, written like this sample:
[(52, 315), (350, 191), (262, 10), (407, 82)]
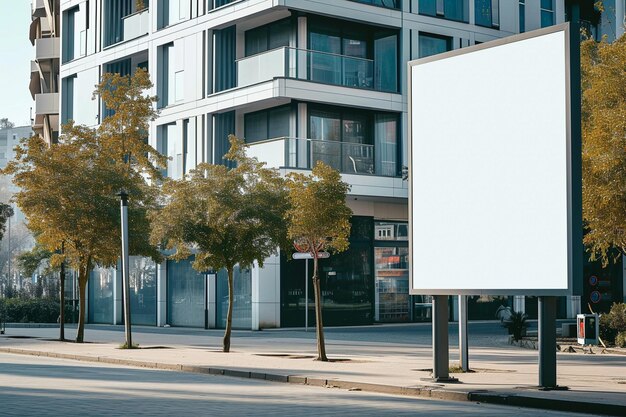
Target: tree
[(68, 191), (6, 123), (6, 211), (223, 216), (318, 220), (30, 261), (604, 146)]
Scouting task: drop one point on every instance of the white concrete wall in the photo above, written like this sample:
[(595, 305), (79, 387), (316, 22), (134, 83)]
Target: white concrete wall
[(266, 294)]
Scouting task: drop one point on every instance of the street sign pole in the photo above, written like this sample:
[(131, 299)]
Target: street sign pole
[(306, 295), (306, 256), (463, 348)]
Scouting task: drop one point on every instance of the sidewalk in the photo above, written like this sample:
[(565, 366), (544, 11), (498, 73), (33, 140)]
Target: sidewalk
[(502, 374)]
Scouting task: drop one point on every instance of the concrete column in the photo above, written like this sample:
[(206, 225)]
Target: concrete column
[(519, 303), (266, 294), (573, 306), (118, 296), (211, 297), (161, 294), (303, 43)]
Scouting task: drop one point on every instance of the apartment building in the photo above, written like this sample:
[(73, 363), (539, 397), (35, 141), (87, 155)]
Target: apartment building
[(45, 35), (300, 81)]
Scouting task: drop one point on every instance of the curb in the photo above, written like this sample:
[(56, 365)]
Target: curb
[(486, 397)]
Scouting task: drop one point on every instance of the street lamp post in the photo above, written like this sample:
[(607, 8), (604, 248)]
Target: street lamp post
[(125, 276)]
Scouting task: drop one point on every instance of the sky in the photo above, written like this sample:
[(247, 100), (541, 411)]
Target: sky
[(16, 52)]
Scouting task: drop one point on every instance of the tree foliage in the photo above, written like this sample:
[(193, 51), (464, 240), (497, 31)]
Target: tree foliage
[(6, 211), (223, 216), (604, 146), (30, 261), (318, 220), (5, 123), (68, 191)]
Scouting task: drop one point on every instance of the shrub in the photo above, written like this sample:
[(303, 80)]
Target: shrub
[(35, 310), (620, 339), (516, 324), (613, 323)]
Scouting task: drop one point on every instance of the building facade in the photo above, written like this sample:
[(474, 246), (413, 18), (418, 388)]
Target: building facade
[(300, 81), (45, 35)]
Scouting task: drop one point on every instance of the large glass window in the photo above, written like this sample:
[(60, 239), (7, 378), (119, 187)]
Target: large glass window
[(242, 298), (430, 44), (267, 124), (487, 13), (69, 34), (392, 284), (67, 99), (352, 55), (346, 280), (143, 290), (185, 295), (522, 16), (547, 13), (358, 142), (267, 37), (448, 9), (101, 287)]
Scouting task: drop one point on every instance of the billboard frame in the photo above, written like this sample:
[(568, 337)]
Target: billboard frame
[(573, 167)]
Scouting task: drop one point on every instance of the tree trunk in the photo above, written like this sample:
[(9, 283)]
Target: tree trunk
[(82, 286), (229, 316), (319, 328)]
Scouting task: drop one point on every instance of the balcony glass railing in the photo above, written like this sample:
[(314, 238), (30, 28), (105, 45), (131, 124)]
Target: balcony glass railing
[(308, 65), (299, 153), (388, 4)]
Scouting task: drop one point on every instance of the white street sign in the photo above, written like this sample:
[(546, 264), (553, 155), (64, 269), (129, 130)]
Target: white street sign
[(308, 255)]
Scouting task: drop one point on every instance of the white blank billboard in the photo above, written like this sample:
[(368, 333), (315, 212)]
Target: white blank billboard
[(490, 168)]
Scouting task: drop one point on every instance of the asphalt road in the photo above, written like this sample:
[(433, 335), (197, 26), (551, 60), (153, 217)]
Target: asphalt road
[(35, 386)]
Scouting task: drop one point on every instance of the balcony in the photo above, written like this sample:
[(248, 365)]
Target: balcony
[(45, 104), (47, 48), (298, 153), (308, 65), (38, 8), (136, 24)]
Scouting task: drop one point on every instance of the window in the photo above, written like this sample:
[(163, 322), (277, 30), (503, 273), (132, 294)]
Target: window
[(353, 141), (522, 16), (430, 44), (447, 9), (487, 13), (547, 13), (67, 99), (268, 37), (69, 34), (267, 124), (165, 75), (352, 55), (113, 24)]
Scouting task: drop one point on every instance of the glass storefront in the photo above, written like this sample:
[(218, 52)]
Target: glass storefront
[(392, 285), (242, 298), (100, 306), (346, 283), (143, 290), (185, 294)]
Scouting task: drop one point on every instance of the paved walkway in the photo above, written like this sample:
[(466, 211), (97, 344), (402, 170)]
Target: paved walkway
[(363, 360)]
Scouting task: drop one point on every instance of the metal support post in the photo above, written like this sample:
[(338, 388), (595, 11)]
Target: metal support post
[(547, 342), (125, 259), (440, 340), (306, 295), (463, 347)]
